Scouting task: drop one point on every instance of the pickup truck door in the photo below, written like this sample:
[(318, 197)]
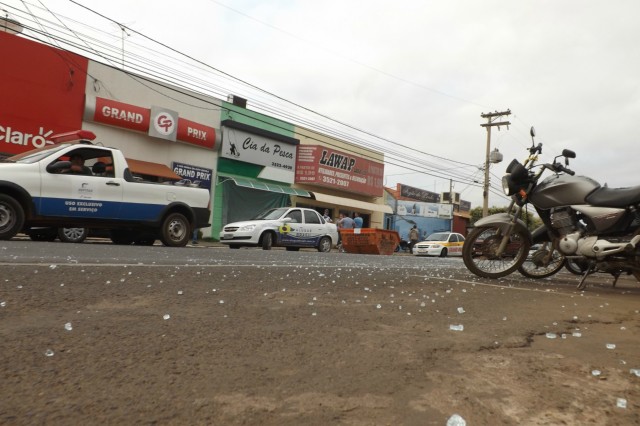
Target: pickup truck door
[(80, 196)]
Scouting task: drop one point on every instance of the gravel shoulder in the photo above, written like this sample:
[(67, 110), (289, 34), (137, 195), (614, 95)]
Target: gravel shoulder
[(282, 345)]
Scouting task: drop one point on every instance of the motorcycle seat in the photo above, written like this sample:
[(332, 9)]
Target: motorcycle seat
[(614, 197)]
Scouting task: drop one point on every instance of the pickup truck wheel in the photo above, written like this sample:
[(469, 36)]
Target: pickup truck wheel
[(324, 245), (267, 241), (11, 217), (72, 235), (175, 231)]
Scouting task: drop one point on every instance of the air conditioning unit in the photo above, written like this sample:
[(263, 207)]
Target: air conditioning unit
[(445, 198)]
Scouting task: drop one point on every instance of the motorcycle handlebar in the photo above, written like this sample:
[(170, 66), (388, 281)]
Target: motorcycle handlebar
[(535, 149), (561, 168), (557, 167)]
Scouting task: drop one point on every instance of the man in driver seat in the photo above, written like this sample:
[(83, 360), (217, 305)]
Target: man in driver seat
[(77, 166)]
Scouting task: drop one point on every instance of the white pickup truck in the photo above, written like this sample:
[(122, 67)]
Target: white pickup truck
[(44, 188)]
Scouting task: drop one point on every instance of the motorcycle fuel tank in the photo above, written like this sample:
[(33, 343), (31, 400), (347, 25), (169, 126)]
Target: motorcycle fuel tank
[(562, 190)]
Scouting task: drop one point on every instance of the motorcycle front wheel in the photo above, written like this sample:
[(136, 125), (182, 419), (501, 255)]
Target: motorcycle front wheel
[(537, 266), (480, 251)]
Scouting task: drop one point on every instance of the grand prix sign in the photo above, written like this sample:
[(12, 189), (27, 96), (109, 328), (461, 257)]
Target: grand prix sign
[(157, 121)]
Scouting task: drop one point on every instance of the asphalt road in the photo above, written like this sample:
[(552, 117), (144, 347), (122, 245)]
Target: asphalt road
[(98, 333)]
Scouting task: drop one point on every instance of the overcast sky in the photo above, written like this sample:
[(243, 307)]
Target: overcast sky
[(420, 73)]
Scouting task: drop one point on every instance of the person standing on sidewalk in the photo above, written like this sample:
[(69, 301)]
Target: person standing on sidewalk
[(345, 222), (414, 236), (358, 221)]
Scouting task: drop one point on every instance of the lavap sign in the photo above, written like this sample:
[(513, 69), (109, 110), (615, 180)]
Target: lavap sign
[(164, 123)]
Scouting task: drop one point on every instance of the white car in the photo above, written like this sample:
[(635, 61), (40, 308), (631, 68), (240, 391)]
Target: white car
[(290, 227), (440, 244)]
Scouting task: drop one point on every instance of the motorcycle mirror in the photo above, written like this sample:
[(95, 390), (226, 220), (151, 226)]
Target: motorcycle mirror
[(567, 153), (532, 131)]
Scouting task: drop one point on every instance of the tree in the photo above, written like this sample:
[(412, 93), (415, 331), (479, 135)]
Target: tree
[(531, 219)]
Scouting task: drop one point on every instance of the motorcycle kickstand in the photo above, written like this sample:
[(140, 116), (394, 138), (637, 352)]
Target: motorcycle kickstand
[(590, 270), (615, 278)]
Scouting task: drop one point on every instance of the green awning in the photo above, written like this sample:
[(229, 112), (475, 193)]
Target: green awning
[(271, 187)]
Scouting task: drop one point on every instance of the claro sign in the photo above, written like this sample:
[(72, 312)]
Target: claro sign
[(158, 122), (42, 93), (318, 165)]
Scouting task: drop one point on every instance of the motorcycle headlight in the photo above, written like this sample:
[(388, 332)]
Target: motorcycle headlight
[(247, 228), (506, 181)]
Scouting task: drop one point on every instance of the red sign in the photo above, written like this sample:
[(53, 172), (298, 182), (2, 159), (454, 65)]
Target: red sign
[(132, 117), (42, 93), (114, 113), (319, 165), (196, 133)]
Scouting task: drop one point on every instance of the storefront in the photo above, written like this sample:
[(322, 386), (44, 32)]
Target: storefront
[(342, 178), (256, 166), (169, 135), (424, 209)]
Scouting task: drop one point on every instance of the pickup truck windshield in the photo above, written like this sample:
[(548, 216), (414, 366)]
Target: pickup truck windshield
[(272, 214), (35, 154)]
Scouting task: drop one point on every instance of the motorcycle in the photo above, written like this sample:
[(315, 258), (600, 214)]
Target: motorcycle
[(594, 227)]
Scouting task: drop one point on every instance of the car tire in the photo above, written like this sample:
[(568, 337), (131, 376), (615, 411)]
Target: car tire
[(11, 217), (324, 245), (443, 253), (267, 240), (175, 231), (72, 235)]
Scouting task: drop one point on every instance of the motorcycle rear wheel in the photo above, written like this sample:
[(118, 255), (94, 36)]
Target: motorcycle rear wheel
[(480, 247), (577, 266), (534, 267)]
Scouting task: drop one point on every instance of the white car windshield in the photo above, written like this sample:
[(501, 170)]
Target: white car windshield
[(438, 237), (271, 214)]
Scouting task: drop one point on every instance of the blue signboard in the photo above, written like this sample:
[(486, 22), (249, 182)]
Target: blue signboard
[(196, 175)]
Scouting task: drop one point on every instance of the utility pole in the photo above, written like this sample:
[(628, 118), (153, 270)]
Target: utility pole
[(451, 202), (491, 122)]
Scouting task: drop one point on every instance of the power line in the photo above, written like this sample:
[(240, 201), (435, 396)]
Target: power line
[(166, 74)]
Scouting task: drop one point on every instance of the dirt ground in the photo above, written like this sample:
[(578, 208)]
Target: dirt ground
[(313, 346)]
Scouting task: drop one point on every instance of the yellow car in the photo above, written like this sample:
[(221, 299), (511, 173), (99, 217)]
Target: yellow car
[(440, 244)]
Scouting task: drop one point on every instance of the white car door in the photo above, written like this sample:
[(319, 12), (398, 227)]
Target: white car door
[(80, 196), (313, 226)]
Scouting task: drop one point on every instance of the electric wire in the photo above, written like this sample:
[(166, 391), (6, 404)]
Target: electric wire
[(142, 64)]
